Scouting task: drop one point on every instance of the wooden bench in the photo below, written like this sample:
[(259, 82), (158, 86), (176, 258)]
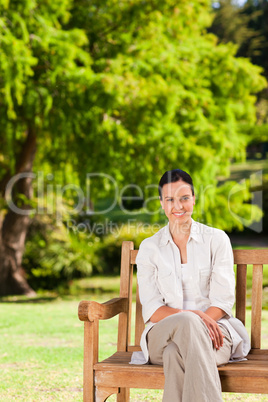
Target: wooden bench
[(116, 376)]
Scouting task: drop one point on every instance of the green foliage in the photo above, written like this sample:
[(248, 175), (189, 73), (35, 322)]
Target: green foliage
[(153, 89), (234, 23), (257, 13), (53, 257), (44, 70), (130, 89), (108, 250), (172, 96), (246, 26)]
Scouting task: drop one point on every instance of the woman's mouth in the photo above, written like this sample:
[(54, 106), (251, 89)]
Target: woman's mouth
[(179, 213)]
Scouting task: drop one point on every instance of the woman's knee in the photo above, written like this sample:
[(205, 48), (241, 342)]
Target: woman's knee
[(184, 323), (170, 354), (188, 319)]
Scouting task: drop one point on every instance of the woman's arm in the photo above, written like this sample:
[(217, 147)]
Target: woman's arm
[(163, 312), (215, 312), (210, 318), (150, 297)]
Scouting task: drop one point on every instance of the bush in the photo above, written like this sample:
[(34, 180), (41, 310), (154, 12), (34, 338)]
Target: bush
[(54, 255), (108, 251)]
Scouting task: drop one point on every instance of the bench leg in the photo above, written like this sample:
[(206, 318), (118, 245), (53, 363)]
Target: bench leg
[(123, 395), (90, 358), (103, 393)]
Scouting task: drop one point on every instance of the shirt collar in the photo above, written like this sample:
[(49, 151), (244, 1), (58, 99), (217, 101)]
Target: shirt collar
[(195, 234)]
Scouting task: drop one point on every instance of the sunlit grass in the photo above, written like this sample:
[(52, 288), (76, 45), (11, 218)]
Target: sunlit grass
[(41, 348)]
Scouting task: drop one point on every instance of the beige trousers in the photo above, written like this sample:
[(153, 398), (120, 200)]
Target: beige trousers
[(181, 343)]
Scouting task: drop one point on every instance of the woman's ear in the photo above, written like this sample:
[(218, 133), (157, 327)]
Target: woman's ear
[(161, 202)]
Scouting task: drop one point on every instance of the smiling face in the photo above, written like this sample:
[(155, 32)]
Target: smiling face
[(178, 202)]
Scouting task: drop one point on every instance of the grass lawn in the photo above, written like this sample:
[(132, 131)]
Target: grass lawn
[(41, 348)]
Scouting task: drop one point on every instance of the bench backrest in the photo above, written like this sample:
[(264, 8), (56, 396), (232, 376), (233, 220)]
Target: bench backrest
[(242, 259)]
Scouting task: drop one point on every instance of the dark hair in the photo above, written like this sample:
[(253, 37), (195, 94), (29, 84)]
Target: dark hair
[(171, 176)]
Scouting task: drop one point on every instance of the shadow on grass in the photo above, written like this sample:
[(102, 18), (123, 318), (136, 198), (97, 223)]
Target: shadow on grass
[(25, 299), (78, 289)]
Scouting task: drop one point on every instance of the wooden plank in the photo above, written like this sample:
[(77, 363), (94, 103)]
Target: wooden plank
[(241, 292), (139, 325), (256, 306), (109, 309), (133, 255), (152, 377), (91, 350), (129, 320), (92, 310), (244, 384), (253, 368), (258, 357), (251, 256), (256, 353), (250, 376), (240, 256), (123, 395), (137, 379), (119, 361), (103, 393), (134, 348), (124, 322)]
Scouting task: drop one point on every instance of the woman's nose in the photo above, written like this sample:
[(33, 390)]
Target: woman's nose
[(178, 204)]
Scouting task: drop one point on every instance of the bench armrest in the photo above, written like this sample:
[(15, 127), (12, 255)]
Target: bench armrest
[(91, 310)]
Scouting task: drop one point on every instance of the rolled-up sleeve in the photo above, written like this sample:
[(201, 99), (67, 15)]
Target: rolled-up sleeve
[(150, 296), (222, 285)]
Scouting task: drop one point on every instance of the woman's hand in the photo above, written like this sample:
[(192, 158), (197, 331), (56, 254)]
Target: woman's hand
[(213, 328)]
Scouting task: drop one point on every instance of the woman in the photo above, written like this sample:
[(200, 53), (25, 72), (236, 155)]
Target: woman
[(186, 283)]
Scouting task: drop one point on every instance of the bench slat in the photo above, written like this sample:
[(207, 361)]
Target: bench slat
[(133, 256), (256, 306), (139, 320), (244, 384), (251, 256), (116, 375), (240, 256), (241, 292), (246, 376), (124, 323)]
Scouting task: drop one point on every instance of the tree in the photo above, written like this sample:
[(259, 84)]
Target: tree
[(246, 26), (257, 13), (174, 90), (124, 88), (43, 70), (235, 23)]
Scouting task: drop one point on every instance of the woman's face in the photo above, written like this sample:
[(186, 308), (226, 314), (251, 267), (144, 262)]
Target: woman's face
[(178, 202)]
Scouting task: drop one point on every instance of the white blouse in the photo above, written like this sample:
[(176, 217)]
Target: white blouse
[(188, 288), (159, 273)]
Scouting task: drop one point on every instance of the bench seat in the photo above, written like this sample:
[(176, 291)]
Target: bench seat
[(252, 373), (115, 375)]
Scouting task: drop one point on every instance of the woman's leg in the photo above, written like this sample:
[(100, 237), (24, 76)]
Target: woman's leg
[(223, 354), (182, 344)]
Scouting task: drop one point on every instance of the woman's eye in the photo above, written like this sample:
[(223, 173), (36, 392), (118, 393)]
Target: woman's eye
[(186, 198)]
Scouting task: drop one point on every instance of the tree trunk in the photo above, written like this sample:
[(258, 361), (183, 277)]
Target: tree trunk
[(15, 224)]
